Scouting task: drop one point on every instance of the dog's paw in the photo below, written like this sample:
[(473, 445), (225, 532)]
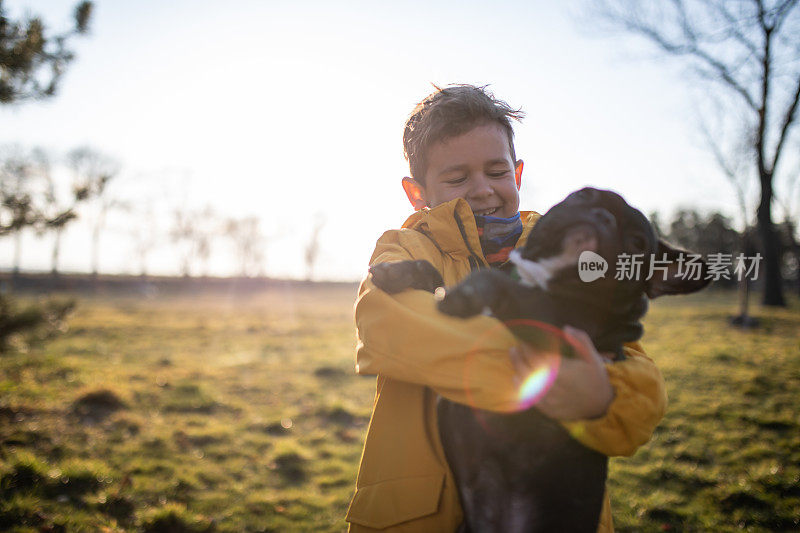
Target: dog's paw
[(462, 301), (402, 275), (393, 277)]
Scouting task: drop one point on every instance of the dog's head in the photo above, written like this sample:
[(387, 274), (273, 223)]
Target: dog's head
[(602, 222)]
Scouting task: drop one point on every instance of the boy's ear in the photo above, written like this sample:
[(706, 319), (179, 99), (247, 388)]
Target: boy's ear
[(415, 193), (518, 173)]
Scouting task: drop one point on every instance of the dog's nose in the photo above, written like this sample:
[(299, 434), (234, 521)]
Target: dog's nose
[(603, 217)]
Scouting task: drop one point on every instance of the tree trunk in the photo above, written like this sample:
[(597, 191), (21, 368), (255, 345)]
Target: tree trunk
[(186, 266), (773, 291), (794, 250), (143, 266), (17, 252), (744, 298), (98, 227), (95, 250), (797, 267), (56, 252), (744, 285)]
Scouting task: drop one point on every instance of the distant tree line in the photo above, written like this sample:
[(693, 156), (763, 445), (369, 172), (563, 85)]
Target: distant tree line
[(45, 194), (713, 233), (33, 197)]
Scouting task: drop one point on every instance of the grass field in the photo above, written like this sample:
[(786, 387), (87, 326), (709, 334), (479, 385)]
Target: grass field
[(242, 413)]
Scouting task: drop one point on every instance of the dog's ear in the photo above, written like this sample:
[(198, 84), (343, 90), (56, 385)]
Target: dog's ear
[(676, 271)]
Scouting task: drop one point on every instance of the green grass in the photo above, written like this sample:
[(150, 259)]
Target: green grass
[(727, 454), (243, 414)]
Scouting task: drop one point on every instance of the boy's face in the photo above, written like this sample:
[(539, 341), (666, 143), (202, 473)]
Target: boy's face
[(476, 166)]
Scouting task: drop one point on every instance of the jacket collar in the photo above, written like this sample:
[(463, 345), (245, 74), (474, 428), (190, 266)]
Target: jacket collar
[(442, 225)]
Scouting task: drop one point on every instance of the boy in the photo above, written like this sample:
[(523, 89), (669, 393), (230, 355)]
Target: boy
[(464, 187)]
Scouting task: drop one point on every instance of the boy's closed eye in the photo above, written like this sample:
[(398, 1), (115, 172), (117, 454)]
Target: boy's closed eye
[(498, 170), (499, 174), (495, 174)]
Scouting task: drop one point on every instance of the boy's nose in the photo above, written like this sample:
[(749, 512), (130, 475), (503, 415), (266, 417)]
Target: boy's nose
[(481, 186)]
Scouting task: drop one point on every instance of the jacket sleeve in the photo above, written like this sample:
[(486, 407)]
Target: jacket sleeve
[(640, 400), (404, 337)]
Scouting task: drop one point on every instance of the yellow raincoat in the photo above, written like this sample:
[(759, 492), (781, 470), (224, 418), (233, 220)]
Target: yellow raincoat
[(404, 484)]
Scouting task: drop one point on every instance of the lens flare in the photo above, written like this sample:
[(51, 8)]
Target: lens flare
[(537, 384), (548, 340), (544, 337)]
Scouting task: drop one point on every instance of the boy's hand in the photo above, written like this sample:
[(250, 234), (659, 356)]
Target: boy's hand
[(581, 390)]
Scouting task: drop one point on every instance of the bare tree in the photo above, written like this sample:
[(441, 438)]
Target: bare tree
[(144, 233), (746, 52), (207, 228), (92, 172), (59, 215), (33, 197), (59, 207), (248, 242), (193, 232), (730, 151), (181, 235), (17, 189), (312, 247)]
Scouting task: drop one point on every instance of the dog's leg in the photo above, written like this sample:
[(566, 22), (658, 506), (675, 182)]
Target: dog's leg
[(402, 275), (485, 289)]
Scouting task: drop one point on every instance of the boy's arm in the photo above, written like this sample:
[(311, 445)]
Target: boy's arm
[(640, 400), (404, 337)]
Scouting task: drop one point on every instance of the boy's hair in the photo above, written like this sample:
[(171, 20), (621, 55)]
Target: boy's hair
[(448, 113)]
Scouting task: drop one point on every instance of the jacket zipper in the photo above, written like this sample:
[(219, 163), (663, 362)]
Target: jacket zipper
[(475, 262)]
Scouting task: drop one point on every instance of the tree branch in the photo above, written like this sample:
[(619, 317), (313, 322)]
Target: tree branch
[(781, 12), (766, 30), (692, 49), (733, 29), (728, 169), (685, 25), (788, 119)]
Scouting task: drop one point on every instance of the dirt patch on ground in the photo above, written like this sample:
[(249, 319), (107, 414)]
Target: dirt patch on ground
[(95, 406)]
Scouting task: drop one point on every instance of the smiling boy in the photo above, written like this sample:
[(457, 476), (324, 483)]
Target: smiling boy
[(464, 187), (478, 165)]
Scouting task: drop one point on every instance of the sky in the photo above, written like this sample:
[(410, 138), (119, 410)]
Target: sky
[(294, 112)]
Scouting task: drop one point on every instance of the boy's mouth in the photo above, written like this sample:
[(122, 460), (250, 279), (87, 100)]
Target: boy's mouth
[(486, 212)]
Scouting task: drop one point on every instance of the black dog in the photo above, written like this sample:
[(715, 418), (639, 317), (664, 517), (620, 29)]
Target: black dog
[(523, 471)]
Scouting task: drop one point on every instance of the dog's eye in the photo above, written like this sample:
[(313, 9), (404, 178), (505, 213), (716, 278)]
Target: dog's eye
[(603, 217), (638, 243)]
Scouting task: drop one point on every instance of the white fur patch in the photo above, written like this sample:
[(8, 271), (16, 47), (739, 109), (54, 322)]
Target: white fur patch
[(537, 273)]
